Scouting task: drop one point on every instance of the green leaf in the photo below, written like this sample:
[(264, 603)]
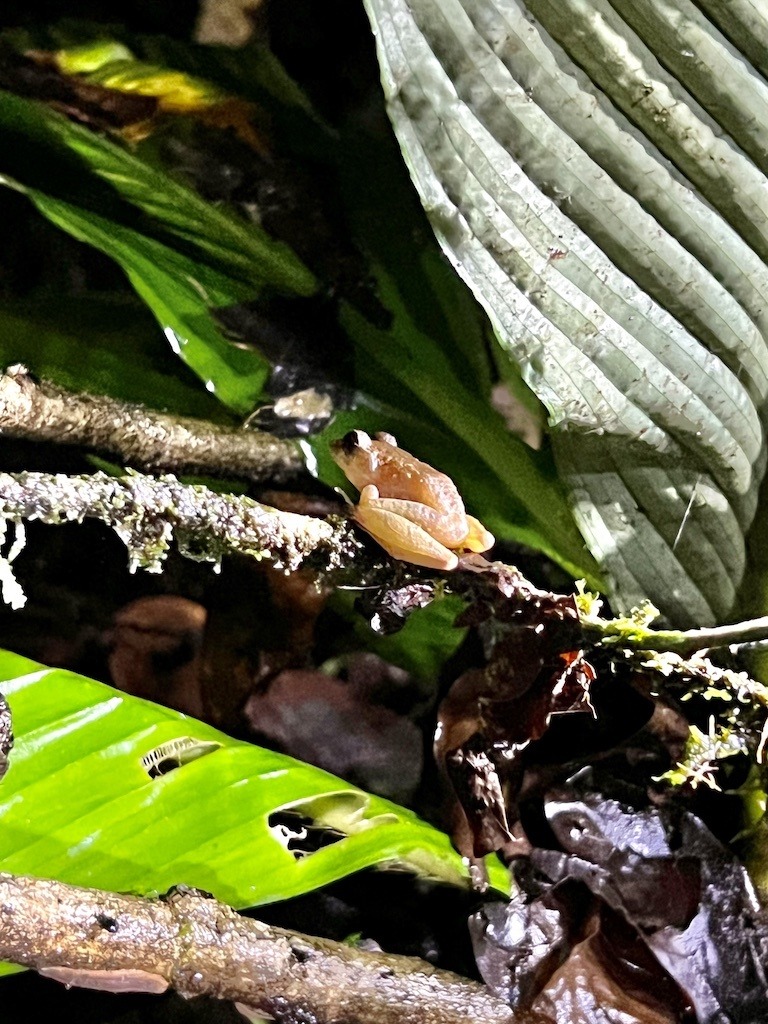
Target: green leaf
[(414, 277), (433, 365), (181, 295), (631, 296), (689, 46), (104, 344), (78, 803), (40, 144), (176, 91), (91, 56), (424, 644)]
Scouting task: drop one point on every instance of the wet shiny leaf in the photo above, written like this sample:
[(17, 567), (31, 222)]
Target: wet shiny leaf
[(181, 294), (81, 801), (689, 898)]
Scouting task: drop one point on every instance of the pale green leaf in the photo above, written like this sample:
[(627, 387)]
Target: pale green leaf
[(78, 802)]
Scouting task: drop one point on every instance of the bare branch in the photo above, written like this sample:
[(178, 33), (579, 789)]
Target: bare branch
[(140, 437), (201, 947)]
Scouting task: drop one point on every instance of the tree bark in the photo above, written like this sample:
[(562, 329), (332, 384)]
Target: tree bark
[(197, 946), (140, 437)]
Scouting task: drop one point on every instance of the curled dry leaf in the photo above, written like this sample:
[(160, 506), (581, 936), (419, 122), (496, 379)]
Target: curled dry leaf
[(388, 609), (669, 878), (475, 779), (491, 716), (608, 978), (519, 945), (493, 589), (569, 959)]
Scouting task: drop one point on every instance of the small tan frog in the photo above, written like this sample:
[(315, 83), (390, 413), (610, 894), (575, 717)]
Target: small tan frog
[(411, 509)]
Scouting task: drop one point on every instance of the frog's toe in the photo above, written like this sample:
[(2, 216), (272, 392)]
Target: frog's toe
[(478, 539)]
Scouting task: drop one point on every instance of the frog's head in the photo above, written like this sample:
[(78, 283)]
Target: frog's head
[(356, 455)]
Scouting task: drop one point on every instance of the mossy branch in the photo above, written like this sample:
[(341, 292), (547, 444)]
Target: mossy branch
[(627, 634), (148, 513)]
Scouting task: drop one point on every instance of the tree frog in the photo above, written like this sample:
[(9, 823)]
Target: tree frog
[(411, 509)]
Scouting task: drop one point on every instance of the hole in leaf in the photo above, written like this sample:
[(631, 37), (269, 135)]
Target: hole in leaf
[(306, 826), (299, 834), (174, 754)]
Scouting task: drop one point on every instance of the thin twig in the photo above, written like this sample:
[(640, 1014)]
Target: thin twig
[(677, 641), (198, 946), (140, 437)]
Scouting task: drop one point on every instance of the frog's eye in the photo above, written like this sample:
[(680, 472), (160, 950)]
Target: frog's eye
[(357, 439), (386, 438), (354, 441)]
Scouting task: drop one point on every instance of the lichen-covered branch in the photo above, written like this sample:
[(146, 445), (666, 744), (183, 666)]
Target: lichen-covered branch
[(140, 437), (198, 946), (149, 512)]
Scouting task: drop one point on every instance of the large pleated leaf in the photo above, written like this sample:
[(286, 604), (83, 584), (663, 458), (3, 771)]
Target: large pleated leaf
[(85, 801), (596, 173)]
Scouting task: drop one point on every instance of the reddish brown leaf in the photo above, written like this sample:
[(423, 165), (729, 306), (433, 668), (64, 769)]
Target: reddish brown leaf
[(328, 723), (475, 781), (155, 647)]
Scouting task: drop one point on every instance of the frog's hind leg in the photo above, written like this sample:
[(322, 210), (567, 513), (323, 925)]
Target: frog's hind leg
[(404, 539)]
